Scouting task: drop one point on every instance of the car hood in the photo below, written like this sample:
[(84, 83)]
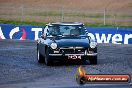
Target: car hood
[(69, 42)]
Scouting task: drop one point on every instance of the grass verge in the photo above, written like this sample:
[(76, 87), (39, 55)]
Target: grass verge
[(22, 22), (44, 23)]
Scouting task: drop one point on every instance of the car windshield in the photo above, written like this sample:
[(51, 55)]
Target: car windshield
[(66, 30)]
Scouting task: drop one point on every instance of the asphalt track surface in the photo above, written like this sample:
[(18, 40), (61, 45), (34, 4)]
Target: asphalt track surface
[(19, 67)]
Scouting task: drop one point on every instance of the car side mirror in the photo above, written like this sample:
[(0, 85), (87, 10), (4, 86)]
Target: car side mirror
[(44, 36)]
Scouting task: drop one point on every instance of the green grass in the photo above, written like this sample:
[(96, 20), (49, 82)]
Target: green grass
[(22, 22), (44, 23), (102, 25), (78, 14), (54, 13)]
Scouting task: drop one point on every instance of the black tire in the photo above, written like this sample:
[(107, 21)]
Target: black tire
[(40, 58), (47, 58), (93, 60)]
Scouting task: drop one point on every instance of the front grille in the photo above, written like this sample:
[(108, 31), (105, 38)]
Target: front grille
[(72, 50)]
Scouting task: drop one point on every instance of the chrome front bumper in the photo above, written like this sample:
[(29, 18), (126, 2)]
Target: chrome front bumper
[(89, 54)]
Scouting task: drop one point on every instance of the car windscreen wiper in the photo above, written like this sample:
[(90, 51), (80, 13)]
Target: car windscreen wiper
[(70, 35), (73, 35), (57, 35)]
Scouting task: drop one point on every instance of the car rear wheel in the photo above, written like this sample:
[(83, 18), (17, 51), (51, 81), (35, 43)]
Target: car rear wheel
[(47, 58), (40, 58), (93, 60)]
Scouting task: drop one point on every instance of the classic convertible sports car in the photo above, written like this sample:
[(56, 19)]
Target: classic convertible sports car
[(66, 41)]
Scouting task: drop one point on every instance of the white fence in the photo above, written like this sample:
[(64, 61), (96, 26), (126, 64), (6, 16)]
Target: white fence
[(103, 16)]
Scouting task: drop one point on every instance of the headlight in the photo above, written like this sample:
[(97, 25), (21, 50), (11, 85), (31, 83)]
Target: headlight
[(53, 45), (93, 44)]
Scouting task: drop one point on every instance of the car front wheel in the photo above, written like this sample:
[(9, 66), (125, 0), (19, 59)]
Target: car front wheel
[(40, 58), (47, 58)]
